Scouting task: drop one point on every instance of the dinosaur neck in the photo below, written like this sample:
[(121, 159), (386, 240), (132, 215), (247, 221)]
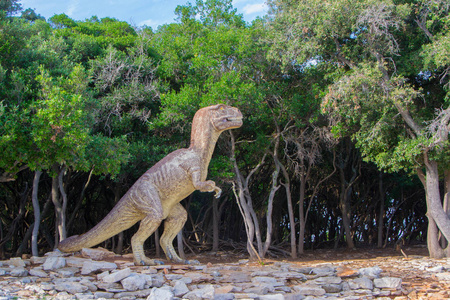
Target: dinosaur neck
[(203, 138)]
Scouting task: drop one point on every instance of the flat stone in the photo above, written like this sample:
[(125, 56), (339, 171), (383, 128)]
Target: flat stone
[(197, 277), (259, 290), (38, 272), (238, 277), (173, 276), (84, 296), (443, 276), (437, 269), (203, 293), (16, 262), (37, 260), (272, 297), (180, 288), (264, 279), (117, 276), (111, 287), (290, 275), (133, 282), (71, 287), (388, 282), (227, 296), (323, 271), (361, 283), (97, 253), (94, 266), (304, 270), (18, 272), (328, 280), (309, 290), (47, 286), (160, 294), (332, 288), (54, 263), (133, 295), (89, 284), (148, 279), (372, 272), (298, 296), (225, 289), (76, 261), (102, 275), (345, 272), (105, 295), (67, 272), (158, 280)]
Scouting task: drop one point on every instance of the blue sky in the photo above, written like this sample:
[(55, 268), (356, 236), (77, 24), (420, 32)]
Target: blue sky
[(136, 12)]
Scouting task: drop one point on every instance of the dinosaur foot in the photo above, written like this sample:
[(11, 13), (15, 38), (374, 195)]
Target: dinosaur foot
[(145, 261), (192, 262)]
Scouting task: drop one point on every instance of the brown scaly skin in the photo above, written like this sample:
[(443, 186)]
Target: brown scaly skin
[(157, 194)]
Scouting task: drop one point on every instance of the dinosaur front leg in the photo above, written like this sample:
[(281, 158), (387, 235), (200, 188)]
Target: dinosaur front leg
[(205, 186), (147, 227), (172, 225)]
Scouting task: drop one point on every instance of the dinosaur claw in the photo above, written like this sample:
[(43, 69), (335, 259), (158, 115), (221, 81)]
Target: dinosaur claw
[(192, 262)]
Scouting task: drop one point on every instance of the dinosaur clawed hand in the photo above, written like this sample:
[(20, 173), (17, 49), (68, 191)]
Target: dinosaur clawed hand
[(218, 192)]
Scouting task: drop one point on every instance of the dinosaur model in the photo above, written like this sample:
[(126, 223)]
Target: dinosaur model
[(156, 195)]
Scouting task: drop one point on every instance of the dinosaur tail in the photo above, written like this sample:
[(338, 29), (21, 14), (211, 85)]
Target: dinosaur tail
[(115, 222)]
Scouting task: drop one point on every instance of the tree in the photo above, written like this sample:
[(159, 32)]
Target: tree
[(379, 79), (9, 7)]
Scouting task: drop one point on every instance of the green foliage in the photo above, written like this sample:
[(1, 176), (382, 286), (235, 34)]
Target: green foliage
[(106, 155), (59, 124)]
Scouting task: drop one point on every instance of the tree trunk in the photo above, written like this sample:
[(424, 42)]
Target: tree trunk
[(380, 211), (269, 212), (59, 230), (344, 205), (434, 248), (215, 225), (435, 213), (346, 214), (287, 187), (244, 201), (301, 211), (37, 214), (447, 204), (79, 203), (63, 232)]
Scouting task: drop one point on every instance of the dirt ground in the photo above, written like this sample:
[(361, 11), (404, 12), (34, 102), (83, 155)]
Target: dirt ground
[(412, 264)]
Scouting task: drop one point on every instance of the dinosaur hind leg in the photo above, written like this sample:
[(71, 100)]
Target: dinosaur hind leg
[(172, 225), (147, 227)]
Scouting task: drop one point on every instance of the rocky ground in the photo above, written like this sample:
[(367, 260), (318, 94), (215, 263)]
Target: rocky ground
[(100, 274)]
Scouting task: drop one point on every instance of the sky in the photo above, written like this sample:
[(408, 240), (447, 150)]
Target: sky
[(135, 12)]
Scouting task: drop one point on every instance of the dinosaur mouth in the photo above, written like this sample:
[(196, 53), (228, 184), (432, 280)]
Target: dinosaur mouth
[(234, 119), (224, 123)]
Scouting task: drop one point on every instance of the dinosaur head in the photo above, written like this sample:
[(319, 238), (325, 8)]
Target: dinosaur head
[(209, 122), (224, 117)]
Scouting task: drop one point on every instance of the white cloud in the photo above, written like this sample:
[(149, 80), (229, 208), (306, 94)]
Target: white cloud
[(254, 8), (72, 7), (149, 22)]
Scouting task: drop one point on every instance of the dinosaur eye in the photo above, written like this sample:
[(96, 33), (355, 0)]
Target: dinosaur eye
[(221, 108)]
